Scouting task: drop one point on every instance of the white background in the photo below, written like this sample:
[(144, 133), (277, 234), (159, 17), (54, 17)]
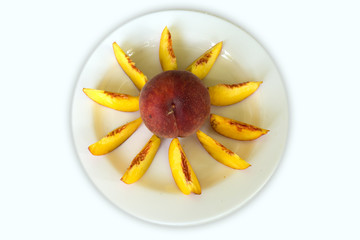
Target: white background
[(44, 192)]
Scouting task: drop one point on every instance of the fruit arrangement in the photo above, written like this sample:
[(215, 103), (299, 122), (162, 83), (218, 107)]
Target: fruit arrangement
[(175, 103)]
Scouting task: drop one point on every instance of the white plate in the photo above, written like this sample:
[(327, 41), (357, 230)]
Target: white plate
[(155, 197)]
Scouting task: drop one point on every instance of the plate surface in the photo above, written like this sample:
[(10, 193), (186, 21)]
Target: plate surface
[(155, 197)]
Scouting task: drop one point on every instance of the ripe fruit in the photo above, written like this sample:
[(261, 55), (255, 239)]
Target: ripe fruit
[(138, 77), (220, 153), (226, 94), (174, 104), (114, 138), (140, 164), (166, 52), (117, 101), (203, 64), (235, 129), (181, 169)]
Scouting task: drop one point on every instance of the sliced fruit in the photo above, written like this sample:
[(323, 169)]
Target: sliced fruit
[(235, 129), (202, 65), (117, 101), (220, 153), (166, 52), (227, 94), (114, 138), (182, 172), (138, 78), (142, 161)]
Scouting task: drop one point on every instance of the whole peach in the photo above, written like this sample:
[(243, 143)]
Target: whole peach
[(174, 104)]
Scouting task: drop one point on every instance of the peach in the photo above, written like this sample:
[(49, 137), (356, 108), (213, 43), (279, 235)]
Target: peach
[(114, 138), (181, 169), (166, 52), (203, 64), (140, 164), (220, 153), (235, 129), (227, 94), (137, 76), (174, 104), (117, 101)]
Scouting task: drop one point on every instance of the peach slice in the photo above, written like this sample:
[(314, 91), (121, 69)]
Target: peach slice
[(220, 153), (182, 172), (142, 161), (166, 51), (114, 138), (202, 65), (138, 78), (235, 129), (117, 101), (227, 94)]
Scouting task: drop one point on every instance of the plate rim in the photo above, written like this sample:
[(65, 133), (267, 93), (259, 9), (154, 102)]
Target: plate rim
[(230, 210)]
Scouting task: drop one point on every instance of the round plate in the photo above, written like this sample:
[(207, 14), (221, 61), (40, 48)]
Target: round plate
[(155, 197)]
